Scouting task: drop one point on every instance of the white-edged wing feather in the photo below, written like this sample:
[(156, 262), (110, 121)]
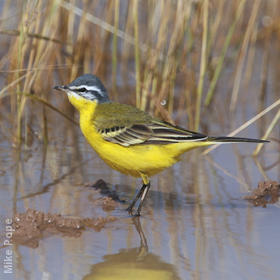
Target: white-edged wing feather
[(155, 132)]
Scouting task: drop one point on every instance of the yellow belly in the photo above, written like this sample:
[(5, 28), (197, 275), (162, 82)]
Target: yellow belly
[(136, 159)]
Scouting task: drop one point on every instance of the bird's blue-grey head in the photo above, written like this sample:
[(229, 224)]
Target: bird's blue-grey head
[(87, 86)]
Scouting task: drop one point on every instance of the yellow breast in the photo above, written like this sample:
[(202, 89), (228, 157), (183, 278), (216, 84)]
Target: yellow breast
[(135, 159)]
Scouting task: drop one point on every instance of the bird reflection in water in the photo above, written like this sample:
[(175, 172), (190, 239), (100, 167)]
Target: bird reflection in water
[(134, 263)]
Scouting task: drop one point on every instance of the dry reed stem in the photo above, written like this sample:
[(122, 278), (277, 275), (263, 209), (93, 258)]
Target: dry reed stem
[(261, 169), (242, 56), (203, 62), (14, 32), (220, 63), (106, 26), (246, 124), (168, 43), (10, 85), (136, 52), (115, 44), (268, 131), (46, 103), (226, 172)]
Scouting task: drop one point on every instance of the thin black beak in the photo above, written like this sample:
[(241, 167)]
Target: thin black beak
[(61, 88)]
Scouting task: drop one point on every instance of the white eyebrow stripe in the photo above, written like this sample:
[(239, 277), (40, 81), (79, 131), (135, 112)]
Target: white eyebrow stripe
[(88, 88)]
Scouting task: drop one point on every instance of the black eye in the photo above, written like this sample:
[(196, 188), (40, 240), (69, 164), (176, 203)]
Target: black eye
[(81, 89)]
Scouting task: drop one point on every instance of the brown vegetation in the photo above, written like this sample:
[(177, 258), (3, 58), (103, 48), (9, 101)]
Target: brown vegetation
[(175, 51)]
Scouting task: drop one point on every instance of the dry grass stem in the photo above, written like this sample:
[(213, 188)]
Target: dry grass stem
[(246, 124), (274, 121)]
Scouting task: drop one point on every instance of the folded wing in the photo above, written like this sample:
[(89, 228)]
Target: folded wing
[(154, 132)]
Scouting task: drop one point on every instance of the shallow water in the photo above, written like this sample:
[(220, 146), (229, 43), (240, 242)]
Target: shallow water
[(195, 223)]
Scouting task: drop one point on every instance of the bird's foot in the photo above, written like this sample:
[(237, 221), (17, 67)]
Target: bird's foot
[(130, 212)]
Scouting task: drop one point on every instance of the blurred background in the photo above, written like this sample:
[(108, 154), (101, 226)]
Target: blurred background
[(207, 65)]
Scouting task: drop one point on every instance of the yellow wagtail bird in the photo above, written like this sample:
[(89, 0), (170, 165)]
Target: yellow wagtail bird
[(130, 140)]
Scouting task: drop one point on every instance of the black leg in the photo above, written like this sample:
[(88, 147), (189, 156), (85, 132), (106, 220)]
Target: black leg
[(143, 197), (130, 207), (142, 193)]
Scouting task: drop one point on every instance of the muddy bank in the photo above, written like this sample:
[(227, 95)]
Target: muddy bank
[(32, 226), (267, 192)]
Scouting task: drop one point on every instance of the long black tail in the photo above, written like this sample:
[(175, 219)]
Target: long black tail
[(224, 139)]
